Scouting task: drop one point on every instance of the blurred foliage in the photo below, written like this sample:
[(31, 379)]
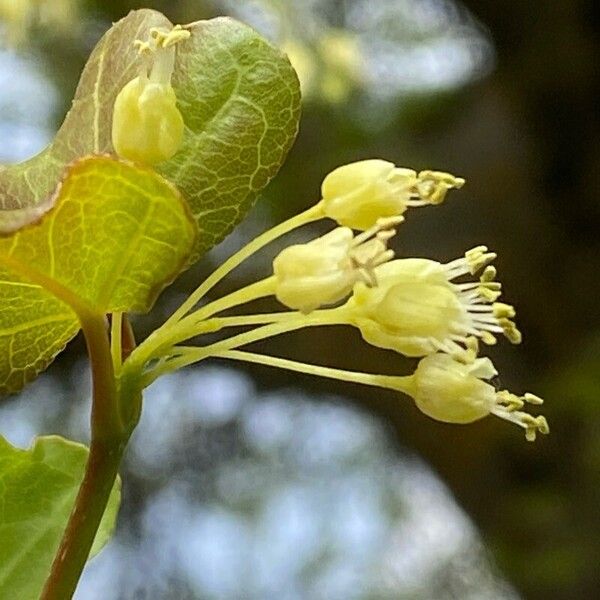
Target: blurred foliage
[(519, 120)]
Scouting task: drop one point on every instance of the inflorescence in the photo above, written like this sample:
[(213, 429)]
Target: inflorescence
[(439, 313)]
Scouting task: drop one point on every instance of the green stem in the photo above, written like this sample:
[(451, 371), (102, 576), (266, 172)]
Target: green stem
[(196, 321), (100, 474), (106, 421), (312, 214), (330, 316), (254, 291), (179, 327), (399, 383), (185, 356), (109, 439), (164, 338), (258, 319), (116, 338)]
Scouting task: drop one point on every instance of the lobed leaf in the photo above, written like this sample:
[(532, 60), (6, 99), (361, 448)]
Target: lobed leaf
[(38, 487), (117, 235), (240, 101)]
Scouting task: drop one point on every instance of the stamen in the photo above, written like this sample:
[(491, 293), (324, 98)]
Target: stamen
[(511, 332), (143, 48), (510, 401), (533, 399), (165, 38), (489, 274), (159, 52), (488, 339), (477, 258), (484, 324), (472, 331), (449, 346), (369, 249), (472, 349), (484, 308), (479, 299), (488, 294), (502, 310), (383, 226), (508, 409), (474, 260), (432, 186)]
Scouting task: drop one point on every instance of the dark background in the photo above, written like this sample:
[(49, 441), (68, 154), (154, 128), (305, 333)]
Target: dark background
[(521, 125)]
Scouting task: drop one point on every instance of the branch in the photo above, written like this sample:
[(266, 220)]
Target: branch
[(109, 438)]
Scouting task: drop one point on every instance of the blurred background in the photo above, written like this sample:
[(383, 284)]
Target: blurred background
[(248, 483)]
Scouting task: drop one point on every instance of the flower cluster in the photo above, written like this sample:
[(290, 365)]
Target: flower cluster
[(358, 194), (439, 313)]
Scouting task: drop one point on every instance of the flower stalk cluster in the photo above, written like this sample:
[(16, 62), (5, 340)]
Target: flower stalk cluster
[(416, 307)]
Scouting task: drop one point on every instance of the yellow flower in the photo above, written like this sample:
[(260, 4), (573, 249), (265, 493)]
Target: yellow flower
[(452, 391), (323, 271), (357, 194), (417, 309), (147, 125)]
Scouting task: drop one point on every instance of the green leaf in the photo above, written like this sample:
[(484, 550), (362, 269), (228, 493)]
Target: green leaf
[(117, 235), (27, 189), (38, 487), (240, 101)]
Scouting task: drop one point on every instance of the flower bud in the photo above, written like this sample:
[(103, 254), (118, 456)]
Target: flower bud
[(357, 194), (451, 391), (324, 270), (411, 310), (147, 125), (315, 274)]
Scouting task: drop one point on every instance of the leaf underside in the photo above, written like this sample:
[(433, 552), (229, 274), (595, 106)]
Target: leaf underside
[(117, 235), (38, 487)]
